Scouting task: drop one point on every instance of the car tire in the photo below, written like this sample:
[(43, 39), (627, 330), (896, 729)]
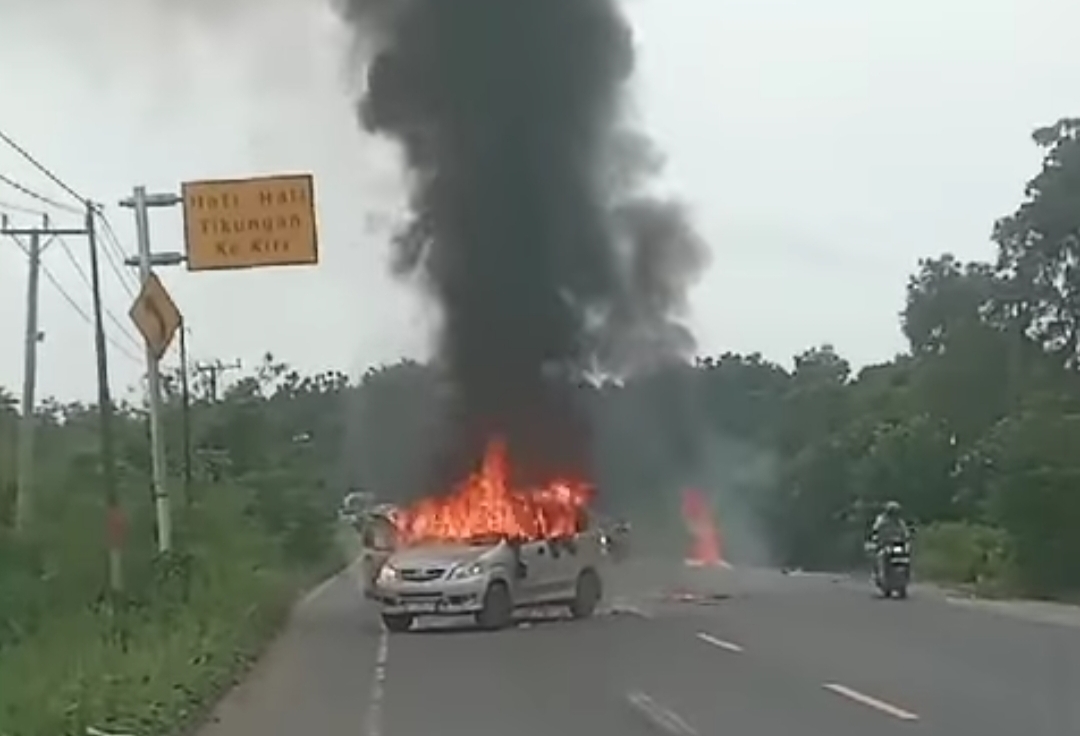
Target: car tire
[(498, 607), (587, 593), (397, 622)]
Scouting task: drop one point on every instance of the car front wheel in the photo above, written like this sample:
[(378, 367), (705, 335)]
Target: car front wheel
[(498, 607), (587, 594)]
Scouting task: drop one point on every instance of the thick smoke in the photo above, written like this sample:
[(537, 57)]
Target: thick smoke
[(529, 224)]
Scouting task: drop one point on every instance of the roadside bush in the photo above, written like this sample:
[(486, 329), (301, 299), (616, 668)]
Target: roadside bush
[(963, 553), (188, 624)]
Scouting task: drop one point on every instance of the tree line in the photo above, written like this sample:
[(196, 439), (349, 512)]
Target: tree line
[(975, 429)]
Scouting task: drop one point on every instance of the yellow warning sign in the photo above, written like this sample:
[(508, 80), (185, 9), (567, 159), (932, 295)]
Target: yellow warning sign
[(248, 223), (156, 315)]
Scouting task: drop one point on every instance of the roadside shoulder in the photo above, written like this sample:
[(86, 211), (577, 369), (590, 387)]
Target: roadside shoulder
[(1046, 612)]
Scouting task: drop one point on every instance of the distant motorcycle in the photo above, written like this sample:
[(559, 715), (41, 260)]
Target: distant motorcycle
[(892, 571)]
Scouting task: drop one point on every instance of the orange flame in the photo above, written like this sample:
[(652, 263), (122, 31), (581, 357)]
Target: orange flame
[(484, 505)]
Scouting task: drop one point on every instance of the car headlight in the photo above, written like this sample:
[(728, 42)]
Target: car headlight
[(387, 574), (464, 572)]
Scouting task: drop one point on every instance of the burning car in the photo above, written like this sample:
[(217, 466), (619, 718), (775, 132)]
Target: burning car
[(487, 549)]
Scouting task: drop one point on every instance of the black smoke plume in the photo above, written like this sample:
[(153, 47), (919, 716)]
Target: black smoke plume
[(529, 225)]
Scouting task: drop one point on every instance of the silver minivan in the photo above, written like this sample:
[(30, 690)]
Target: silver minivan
[(489, 578)]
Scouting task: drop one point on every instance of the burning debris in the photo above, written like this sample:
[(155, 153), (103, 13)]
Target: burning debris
[(529, 226), (485, 506)]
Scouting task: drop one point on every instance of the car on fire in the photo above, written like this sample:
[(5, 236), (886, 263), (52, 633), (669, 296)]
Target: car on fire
[(487, 549), (489, 578)]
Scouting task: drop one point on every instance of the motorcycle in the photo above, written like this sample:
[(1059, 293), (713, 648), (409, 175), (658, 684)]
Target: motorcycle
[(892, 571)]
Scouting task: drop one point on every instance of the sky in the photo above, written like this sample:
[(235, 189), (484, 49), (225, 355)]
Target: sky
[(822, 148)]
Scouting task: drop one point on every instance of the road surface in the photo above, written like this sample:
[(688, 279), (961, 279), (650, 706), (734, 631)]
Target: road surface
[(765, 654)]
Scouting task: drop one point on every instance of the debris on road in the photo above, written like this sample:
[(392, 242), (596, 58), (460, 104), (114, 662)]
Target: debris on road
[(704, 599)]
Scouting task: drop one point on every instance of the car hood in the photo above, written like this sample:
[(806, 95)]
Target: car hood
[(440, 555)]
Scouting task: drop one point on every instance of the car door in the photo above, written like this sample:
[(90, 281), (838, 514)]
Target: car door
[(536, 568)]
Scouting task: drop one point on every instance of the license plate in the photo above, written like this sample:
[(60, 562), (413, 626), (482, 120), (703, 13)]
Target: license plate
[(420, 607)]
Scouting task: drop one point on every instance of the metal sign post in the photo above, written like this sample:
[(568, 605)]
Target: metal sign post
[(157, 318)]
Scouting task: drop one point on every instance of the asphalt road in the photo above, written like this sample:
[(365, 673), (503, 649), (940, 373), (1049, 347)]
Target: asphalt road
[(747, 652)]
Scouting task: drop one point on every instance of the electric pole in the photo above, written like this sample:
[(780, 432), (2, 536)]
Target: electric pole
[(140, 202), (117, 523), (215, 369), (24, 499)]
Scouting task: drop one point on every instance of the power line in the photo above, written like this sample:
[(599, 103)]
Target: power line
[(113, 251), (75, 304), (21, 209), (86, 280), (82, 313), (40, 167), (39, 197)]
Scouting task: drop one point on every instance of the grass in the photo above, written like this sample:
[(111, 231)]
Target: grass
[(150, 663), (973, 558)]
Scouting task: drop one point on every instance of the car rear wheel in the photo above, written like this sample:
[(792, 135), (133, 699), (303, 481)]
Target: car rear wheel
[(587, 594), (397, 622), (498, 607)]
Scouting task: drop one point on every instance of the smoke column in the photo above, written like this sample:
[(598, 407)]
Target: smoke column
[(528, 221)]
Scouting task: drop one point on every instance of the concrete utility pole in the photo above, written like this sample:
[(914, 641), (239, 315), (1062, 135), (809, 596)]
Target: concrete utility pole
[(24, 500), (140, 202), (25, 462), (215, 369)]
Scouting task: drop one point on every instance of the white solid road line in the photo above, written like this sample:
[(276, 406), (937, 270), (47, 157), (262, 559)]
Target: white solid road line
[(378, 686), (710, 639), (373, 723), (324, 586), (866, 700), (318, 590), (660, 717)]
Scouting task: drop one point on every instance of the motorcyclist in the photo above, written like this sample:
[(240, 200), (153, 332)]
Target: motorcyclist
[(888, 528)]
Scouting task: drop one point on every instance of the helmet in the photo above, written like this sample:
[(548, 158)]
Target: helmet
[(892, 508)]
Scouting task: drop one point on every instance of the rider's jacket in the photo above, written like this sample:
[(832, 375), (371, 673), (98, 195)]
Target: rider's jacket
[(889, 529)]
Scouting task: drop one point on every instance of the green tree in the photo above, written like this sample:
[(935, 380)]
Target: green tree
[(1039, 246)]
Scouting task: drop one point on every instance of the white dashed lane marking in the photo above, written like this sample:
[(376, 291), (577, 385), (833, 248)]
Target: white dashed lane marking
[(716, 642), (870, 702)]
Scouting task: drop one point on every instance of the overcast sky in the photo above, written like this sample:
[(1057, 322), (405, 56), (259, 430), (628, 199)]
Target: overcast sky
[(823, 146)]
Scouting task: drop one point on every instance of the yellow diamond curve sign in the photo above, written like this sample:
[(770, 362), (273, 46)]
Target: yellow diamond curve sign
[(156, 315)]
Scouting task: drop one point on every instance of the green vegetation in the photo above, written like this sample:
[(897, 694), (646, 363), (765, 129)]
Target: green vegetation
[(257, 527), (974, 430)]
